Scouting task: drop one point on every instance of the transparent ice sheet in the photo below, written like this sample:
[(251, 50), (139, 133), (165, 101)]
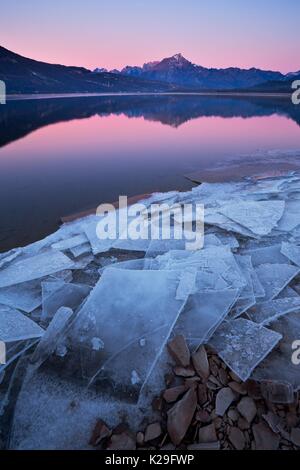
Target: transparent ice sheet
[(243, 344)]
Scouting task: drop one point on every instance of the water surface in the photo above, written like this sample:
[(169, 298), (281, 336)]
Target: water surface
[(62, 156)]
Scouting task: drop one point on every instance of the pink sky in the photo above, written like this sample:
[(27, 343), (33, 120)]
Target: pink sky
[(97, 33)]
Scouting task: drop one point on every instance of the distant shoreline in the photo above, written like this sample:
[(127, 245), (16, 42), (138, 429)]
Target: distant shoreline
[(19, 97)]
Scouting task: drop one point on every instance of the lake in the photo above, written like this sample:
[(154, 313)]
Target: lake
[(60, 156)]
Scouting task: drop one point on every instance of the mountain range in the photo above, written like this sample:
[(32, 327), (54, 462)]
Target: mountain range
[(172, 74)]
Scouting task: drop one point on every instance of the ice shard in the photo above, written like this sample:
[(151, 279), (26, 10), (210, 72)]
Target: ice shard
[(52, 336), (243, 344), (283, 363), (266, 312), (26, 296), (69, 243), (292, 252), (275, 277), (260, 217), (34, 267), (203, 313), (132, 313), (65, 295), (14, 326)]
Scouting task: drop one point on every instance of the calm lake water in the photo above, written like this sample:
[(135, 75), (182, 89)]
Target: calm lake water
[(62, 156)]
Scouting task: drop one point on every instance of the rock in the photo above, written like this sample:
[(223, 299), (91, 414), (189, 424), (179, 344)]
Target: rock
[(237, 438), (168, 447), (172, 394), (247, 409), (223, 377), (100, 432), (181, 415), (277, 392), (223, 400), (184, 371), (265, 439), (243, 424), (202, 394), (205, 446), (295, 436), (274, 421), (207, 434), (233, 415), (157, 404), (238, 388), (140, 439), (292, 419), (234, 377), (203, 416), (179, 351), (253, 389), (200, 363), (122, 441), (152, 432)]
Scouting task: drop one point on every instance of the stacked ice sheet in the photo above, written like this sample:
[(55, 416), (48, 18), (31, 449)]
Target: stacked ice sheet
[(106, 308)]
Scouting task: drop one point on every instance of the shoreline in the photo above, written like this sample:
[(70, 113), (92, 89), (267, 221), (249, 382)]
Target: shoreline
[(33, 96)]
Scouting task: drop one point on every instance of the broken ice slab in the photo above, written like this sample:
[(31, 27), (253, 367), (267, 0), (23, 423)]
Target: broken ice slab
[(267, 254), (34, 267), (209, 281), (215, 218), (7, 258), (52, 336), (64, 295), (80, 250), (158, 247), (203, 313), (131, 313), (275, 277), (68, 243), (266, 312), (292, 252), (277, 392), (132, 245), (243, 344), (287, 292), (260, 217), (214, 259), (283, 363), (98, 245), (291, 217), (26, 296), (14, 326), (140, 263), (228, 239)]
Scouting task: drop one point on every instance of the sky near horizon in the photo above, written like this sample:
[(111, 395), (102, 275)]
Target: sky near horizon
[(115, 33)]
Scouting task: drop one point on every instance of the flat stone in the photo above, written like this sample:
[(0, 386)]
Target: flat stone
[(207, 434), (223, 377), (202, 394), (172, 394), (152, 432), (184, 371), (238, 388), (243, 424), (203, 416), (223, 400), (237, 438), (140, 438), (233, 415), (247, 409), (200, 363), (295, 436), (122, 441), (180, 416), (265, 439), (179, 351), (101, 431)]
